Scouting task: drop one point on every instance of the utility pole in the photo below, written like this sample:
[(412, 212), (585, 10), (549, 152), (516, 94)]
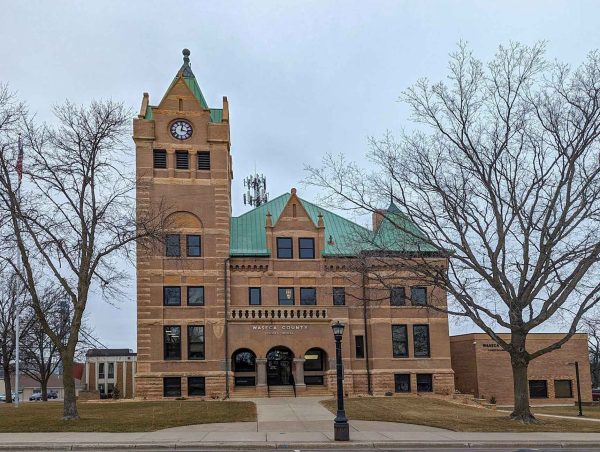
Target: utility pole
[(17, 337)]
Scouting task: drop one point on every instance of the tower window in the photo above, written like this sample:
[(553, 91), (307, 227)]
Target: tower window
[(182, 160), (193, 245), (307, 248), (172, 245), (160, 158), (204, 160), (284, 248)]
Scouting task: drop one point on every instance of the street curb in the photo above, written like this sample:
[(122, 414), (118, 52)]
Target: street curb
[(200, 445)]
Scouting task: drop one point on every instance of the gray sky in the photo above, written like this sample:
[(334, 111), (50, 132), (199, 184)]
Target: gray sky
[(302, 77)]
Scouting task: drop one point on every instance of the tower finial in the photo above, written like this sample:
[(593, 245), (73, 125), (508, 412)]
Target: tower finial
[(186, 56)]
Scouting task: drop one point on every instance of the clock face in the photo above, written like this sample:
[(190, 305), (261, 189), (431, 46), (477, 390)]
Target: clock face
[(181, 130)]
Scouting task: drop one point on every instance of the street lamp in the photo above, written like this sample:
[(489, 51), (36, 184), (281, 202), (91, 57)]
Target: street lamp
[(341, 429)]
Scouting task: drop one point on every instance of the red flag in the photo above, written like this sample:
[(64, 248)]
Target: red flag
[(19, 166)]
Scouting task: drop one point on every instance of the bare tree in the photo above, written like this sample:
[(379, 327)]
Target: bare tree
[(502, 177), (592, 327), (74, 215)]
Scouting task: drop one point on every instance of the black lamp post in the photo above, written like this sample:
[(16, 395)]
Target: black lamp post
[(341, 429), (578, 387)]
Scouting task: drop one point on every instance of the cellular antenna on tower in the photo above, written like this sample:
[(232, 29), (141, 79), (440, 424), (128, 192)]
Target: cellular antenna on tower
[(256, 190)]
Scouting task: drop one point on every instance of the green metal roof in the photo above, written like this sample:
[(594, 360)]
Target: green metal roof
[(216, 115), (342, 237)]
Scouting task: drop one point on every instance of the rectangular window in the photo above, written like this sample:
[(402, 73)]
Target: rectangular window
[(286, 296), (193, 245), (101, 388), (308, 295), (421, 341), (100, 370), (402, 382), (424, 383), (397, 296), (172, 248), (110, 388), (204, 160), (160, 158), (359, 343), (196, 386), (418, 295), (399, 341), (563, 389), (538, 389), (196, 342), (195, 296), (172, 340), (111, 370), (172, 296), (284, 248), (182, 160), (254, 295), (307, 248), (172, 387), (339, 296)]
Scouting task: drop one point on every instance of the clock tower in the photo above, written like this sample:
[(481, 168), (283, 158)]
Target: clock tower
[(184, 170)]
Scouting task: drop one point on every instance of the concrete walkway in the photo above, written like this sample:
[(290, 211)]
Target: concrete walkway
[(291, 423)]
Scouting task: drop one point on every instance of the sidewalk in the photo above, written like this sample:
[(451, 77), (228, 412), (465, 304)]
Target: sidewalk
[(297, 423)]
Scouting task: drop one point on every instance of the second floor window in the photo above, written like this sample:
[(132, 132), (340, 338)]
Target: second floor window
[(111, 370), (100, 370), (399, 341), (284, 248), (195, 295), (308, 295), (160, 159), (421, 341), (172, 248), (418, 296), (193, 245), (172, 296), (339, 296), (254, 296), (182, 160), (306, 248), (286, 296), (172, 342), (397, 296), (196, 342)]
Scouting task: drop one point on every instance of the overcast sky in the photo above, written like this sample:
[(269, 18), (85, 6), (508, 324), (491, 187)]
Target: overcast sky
[(302, 77)]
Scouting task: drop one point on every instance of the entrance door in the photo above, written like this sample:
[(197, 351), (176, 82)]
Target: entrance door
[(279, 366)]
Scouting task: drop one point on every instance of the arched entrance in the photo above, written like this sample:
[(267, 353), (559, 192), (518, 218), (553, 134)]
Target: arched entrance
[(244, 367), (279, 366)]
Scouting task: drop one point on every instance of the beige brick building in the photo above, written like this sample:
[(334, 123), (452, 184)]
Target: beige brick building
[(253, 297), (483, 369)]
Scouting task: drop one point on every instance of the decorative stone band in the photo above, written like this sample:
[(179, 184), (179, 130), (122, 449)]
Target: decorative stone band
[(278, 314)]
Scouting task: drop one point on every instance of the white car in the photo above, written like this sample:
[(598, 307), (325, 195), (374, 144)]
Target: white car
[(3, 397)]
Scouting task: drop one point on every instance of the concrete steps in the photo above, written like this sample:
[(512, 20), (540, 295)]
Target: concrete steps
[(281, 391), (243, 392)]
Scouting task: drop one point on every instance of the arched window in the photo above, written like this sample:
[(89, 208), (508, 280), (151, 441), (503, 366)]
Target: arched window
[(244, 360), (314, 360)]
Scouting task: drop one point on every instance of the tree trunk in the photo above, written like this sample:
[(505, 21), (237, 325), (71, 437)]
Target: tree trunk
[(70, 401), (44, 384), (521, 410), (7, 384)]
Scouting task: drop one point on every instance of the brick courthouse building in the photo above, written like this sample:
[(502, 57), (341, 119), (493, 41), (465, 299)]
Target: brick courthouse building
[(254, 296)]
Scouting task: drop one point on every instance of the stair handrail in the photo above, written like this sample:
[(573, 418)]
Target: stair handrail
[(293, 383)]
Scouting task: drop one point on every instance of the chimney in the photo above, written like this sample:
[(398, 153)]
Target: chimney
[(378, 215)]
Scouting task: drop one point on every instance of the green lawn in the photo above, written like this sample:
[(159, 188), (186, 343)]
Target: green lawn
[(122, 416), (588, 411), (449, 415)]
